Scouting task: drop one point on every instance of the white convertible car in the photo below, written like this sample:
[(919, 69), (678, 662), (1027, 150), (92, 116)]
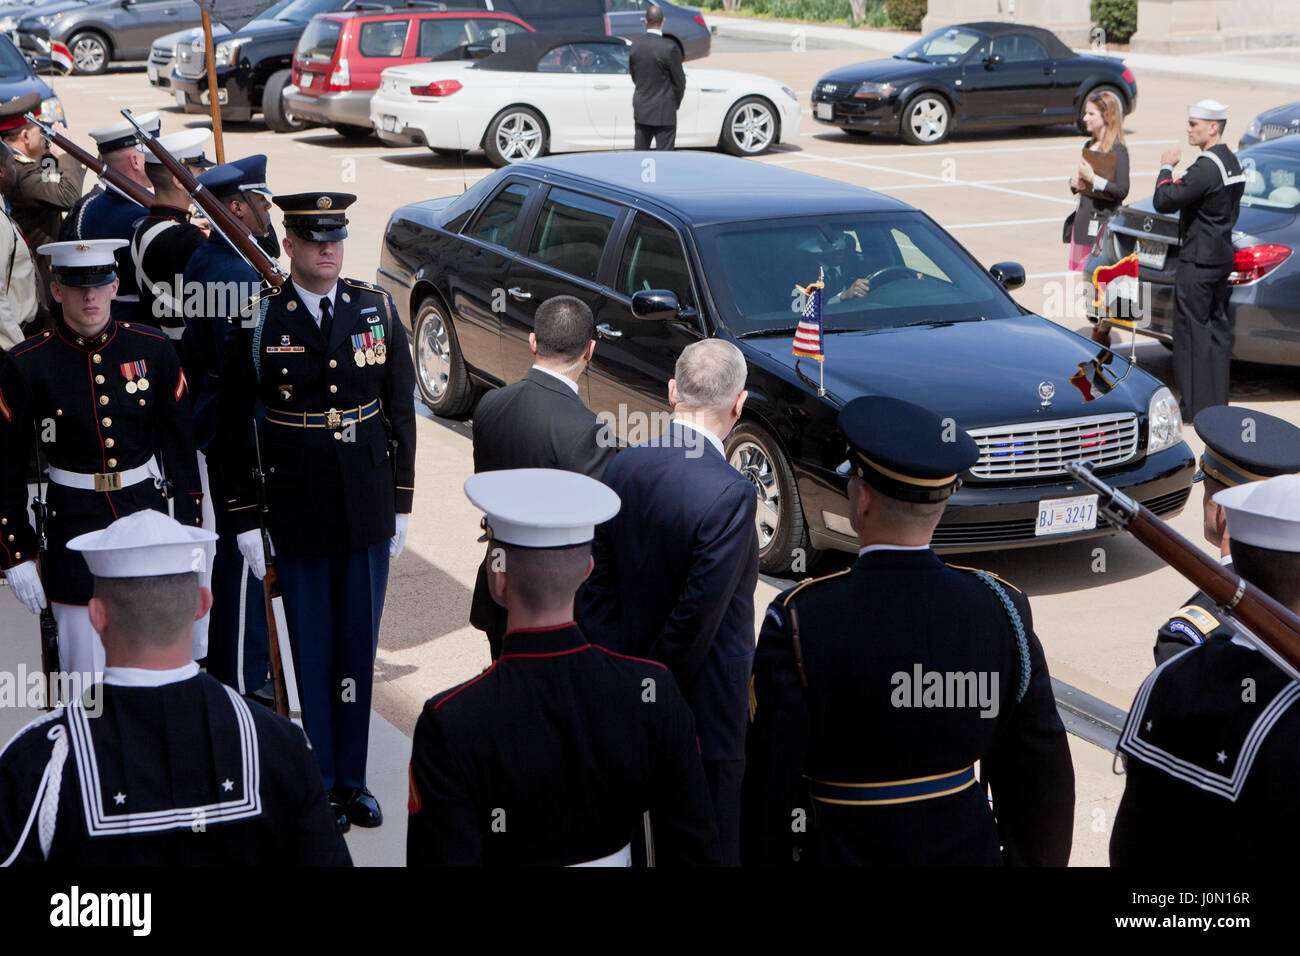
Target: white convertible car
[(553, 94)]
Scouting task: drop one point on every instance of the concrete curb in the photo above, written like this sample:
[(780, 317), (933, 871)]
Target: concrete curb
[(1217, 66)]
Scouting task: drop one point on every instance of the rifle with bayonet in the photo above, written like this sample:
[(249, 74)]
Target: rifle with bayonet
[(49, 627), (128, 187), (1272, 626), (222, 219), (284, 679)]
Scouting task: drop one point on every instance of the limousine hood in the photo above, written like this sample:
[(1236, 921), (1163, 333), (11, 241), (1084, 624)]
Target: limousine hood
[(977, 374)]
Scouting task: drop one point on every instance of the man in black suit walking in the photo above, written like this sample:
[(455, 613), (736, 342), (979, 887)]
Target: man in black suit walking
[(656, 66), (540, 422), (675, 569)]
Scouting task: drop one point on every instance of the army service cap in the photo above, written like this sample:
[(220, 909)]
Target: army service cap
[(239, 176), (1243, 445), (13, 114), (316, 217), (903, 450)]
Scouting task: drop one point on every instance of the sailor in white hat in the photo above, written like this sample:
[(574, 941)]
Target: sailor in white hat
[(107, 408), (1213, 738), (109, 214), (1206, 197), (160, 765), (571, 745)]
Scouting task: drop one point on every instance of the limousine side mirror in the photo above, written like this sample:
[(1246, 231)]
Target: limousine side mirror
[(997, 59), (655, 304), (1009, 275)]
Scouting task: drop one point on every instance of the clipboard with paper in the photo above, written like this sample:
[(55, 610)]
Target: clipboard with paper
[(1103, 165)]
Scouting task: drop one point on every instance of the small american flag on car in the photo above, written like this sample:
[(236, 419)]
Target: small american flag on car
[(808, 336)]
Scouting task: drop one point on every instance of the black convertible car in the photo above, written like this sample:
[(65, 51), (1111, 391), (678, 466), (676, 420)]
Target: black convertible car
[(715, 246), (969, 76)]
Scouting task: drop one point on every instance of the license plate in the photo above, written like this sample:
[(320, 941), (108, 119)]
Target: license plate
[(153, 73), (1064, 515), (1151, 254), (825, 111), (309, 80), (388, 123)]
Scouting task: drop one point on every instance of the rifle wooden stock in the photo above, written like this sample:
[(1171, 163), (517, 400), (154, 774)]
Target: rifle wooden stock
[(1270, 621), (130, 187), (222, 219)]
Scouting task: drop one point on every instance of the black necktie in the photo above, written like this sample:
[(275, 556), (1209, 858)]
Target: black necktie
[(326, 319)]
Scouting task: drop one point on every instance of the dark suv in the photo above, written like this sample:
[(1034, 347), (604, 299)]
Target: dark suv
[(253, 66)]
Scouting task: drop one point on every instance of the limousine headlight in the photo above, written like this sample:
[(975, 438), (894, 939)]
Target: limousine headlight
[(1164, 422)]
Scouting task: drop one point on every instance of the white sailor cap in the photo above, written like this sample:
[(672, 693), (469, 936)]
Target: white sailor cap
[(186, 145), (1264, 513), (121, 135), (1207, 110), (82, 262), (541, 507), (145, 544)]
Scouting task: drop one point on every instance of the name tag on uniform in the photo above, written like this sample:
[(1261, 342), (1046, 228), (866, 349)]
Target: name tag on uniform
[(276, 349)]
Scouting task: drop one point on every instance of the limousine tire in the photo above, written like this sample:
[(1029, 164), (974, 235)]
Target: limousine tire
[(751, 127), (515, 134), (440, 370), (782, 532)]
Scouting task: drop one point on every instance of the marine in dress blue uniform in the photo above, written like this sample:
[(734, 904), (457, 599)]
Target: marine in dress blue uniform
[(1206, 197), (159, 765), (109, 405), (333, 370), (1213, 737), (110, 214), (237, 638), (554, 755), (1241, 445), (877, 689)]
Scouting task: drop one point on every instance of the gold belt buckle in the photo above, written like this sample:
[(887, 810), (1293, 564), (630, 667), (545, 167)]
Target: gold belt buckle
[(333, 418), (108, 481)]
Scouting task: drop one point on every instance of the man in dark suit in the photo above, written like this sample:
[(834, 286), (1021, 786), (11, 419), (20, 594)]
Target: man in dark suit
[(540, 422), (656, 67), (676, 568)]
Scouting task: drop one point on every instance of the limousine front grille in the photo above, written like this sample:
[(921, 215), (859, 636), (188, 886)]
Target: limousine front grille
[(1042, 450)]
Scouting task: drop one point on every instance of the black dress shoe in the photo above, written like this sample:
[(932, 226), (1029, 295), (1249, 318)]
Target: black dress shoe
[(360, 805), (340, 816)]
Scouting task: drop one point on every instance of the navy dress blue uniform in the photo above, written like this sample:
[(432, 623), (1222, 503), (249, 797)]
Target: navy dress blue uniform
[(854, 756), (334, 483), (552, 756), (1241, 445), (1206, 197), (163, 242), (674, 582)]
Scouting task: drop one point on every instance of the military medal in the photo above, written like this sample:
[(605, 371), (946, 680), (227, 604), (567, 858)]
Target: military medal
[(131, 388), (144, 384), (360, 341), (133, 372), (381, 350), (370, 356), (381, 353)]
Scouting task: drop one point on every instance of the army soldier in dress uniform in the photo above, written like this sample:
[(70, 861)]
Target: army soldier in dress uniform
[(165, 239), (1206, 198), (1213, 737), (48, 182), (109, 214), (552, 756), (237, 639), (108, 403), (329, 360), (1241, 446), (160, 765), (886, 682)]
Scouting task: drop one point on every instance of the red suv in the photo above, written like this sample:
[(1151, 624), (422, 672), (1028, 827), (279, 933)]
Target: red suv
[(340, 56)]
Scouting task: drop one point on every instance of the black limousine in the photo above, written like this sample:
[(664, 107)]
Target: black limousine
[(668, 248)]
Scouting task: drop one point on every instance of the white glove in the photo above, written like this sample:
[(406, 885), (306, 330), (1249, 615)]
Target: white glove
[(399, 538), (26, 584), (250, 546)]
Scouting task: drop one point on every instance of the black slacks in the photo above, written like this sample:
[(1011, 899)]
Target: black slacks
[(665, 137), (1202, 337)]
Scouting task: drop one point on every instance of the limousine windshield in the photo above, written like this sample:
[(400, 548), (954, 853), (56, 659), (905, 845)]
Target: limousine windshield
[(883, 271)]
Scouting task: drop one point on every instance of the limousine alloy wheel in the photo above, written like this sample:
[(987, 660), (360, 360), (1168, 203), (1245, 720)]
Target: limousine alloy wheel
[(439, 369), (515, 135), (750, 127), (753, 452), (926, 119)]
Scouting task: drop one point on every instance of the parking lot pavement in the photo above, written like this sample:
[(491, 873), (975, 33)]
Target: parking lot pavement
[(1003, 194)]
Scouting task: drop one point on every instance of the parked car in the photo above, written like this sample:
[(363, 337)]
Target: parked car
[(253, 66), (970, 76), (626, 18), (341, 56), (714, 246), (550, 93), (100, 31), (1270, 124), (1264, 287), (12, 13), (18, 78), (162, 55)]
